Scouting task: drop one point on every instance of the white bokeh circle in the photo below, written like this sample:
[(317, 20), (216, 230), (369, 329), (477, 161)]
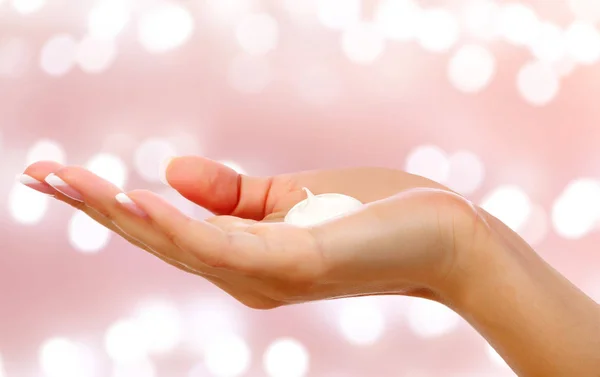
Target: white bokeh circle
[(538, 83), (471, 68), (510, 204), (429, 161), (286, 357)]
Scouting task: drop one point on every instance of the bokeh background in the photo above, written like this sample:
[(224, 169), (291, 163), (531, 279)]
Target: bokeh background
[(497, 100)]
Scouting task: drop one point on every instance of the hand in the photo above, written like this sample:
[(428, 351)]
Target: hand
[(409, 239)]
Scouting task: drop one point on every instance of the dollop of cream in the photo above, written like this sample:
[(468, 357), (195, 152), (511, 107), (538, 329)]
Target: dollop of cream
[(316, 209)]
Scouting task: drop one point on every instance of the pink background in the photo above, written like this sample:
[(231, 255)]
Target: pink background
[(273, 88)]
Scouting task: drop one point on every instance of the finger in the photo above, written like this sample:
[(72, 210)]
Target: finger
[(82, 186), (207, 242), (219, 188), (34, 177)]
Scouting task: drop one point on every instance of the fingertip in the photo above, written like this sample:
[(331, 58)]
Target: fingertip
[(126, 202), (205, 182), (164, 170), (152, 205), (143, 198), (40, 169), (36, 184)]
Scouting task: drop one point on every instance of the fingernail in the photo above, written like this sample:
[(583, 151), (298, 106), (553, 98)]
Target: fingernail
[(61, 186), (36, 185), (129, 204)]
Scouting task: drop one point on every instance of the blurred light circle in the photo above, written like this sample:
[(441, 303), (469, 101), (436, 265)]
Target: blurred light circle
[(28, 6), (249, 74), (583, 42), (95, 55), (150, 156), (27, 206), (286, 357), (438, 31), (257, 34), (550, 44), (108, 18), (161, 327), (124, 342), (16, 56), (430, 162), (586, 10), (234, 166), (46, 150), (471, 68), (495, 357), (481, 19), (138, 368), (429, 319), (208, 320), (576, 211), (362, 43), (60, 357), (2, 370), (466, 172), (535, 230), (361, 321), (518, 23), (165, 27), (108, 167), (509, 204), (537, 83), (398, 19), (227, 356), (58, 55), (86, 235), (338, 14)]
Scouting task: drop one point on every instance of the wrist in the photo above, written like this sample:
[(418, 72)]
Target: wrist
[(523, 307), (482, 260)]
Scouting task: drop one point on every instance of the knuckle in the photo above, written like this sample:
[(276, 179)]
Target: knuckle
[(459, 222), (455, 218), (174, 237)]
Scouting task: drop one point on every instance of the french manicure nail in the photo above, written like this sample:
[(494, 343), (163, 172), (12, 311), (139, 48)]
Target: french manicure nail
[(63, 187), (36, 185), (129, 204)]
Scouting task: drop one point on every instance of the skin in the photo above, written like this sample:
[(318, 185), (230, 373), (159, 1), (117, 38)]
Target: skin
[(413, 237)]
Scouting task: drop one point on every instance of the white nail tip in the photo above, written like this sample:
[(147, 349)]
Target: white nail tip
[(123, 198), (54, 180), (27, 180)]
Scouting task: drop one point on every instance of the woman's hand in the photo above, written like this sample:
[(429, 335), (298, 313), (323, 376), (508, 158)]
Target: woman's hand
[(411, 237)]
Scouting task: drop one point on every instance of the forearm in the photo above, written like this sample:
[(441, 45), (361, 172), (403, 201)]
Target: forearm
[(539, 322)]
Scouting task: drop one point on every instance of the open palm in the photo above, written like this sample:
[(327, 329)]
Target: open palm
[(246, 249)]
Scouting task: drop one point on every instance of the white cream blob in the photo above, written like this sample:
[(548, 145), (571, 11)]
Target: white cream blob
[(316, 209)]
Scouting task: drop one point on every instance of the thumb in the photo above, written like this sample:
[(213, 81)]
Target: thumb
[(217, 187)]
